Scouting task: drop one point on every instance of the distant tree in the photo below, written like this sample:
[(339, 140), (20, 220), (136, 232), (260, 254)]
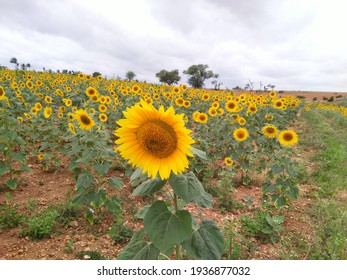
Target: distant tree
[(23, 66), (95, 74), (169, 77), (14, 61), (237, 88), (130, 75), (28, 65), (249, 85), (197, 74), (216, 83)]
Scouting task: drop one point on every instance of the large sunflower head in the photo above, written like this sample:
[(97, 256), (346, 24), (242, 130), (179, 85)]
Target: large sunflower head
[(288, 138), (85, 121), (270, 131), (155, 140), (240, 134)]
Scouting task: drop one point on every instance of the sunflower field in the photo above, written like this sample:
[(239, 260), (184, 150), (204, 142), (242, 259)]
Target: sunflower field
[(177, 151)]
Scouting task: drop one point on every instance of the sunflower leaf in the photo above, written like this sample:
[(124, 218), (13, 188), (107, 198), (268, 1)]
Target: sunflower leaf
[(139, 249), (149, 187), (205, 243), (186, 187), (199, 153), (165, 229)]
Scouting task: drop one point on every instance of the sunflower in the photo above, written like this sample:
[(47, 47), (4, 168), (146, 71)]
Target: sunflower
[(48, 99), (155, 140), (202, 118), (47, 112), (103, 117), (288, 138), (71, 116), (270, 131), (205, 97), (231, 106), (28, 116), (71, 128), (20, 119), (212, 112), (176, 89), (228, 161), (186, 104), (179, 102), (241, 121), (40, 157), (2, 92), (240, 134), (278, 104), (272, 94), (84, 120), (102, 108)]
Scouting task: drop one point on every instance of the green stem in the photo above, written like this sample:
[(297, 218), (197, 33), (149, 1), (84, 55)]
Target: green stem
[(177, 246)]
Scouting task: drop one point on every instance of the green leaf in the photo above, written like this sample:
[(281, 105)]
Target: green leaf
[(292, 172), (84, 181), (201, 154), (19, 156), (116, 182), (87, 156), (149, 187), (268, 187), (205, 243), (26, 168), (113, 205), (97, 199), (142, 212), (102, 168), (137, 177), (3, 168), (139, 249), (205, 200), (186, 187), (12, 183), (165, 229)]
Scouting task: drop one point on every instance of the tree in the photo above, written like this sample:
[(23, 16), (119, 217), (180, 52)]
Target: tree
[(28, 65), (95, 74), (23, 66), (216, 83), (130, 75), (14, 61), (198, 74), (169, 77)]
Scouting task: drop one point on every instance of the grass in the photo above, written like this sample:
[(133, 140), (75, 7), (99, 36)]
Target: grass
[(325, 133)]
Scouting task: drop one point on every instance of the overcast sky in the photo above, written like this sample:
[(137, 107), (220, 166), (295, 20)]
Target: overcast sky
[(293, 44)]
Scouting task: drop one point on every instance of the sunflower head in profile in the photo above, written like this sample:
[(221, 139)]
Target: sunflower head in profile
[(240, 134), (47, 112), (84, 120), (288, 138), (155, 140), (270, 131), (228, 161)]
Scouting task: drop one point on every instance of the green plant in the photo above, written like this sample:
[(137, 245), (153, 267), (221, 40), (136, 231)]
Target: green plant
[(9, 217), (69, 248), (236, 246), (31, 204), (67, 212), (92, 255), (262, 226), (40, 225)]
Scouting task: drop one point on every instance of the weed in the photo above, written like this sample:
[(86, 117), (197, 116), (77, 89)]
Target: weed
[(69, 248), (40, 225), (9, 217), (262, 226)]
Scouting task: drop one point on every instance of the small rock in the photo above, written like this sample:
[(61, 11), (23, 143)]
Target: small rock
[(86, 257), (20, 251), (73, 224)]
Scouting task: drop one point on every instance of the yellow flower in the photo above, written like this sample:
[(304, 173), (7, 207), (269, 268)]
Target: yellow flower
[(212, 112), (270, 131), (102, 108), (202, 118), (47, 112), (40, 157), (228, 161), (2, 93), (48, 99), (103, 117), (71, 128), (155, 140), (288, 138), (231, 106), (84, 120), (240, 134)]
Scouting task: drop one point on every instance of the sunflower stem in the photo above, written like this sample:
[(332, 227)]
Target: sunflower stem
[(177, 246)]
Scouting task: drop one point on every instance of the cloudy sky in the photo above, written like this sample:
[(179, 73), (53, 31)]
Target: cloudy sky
[(293, 44)]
